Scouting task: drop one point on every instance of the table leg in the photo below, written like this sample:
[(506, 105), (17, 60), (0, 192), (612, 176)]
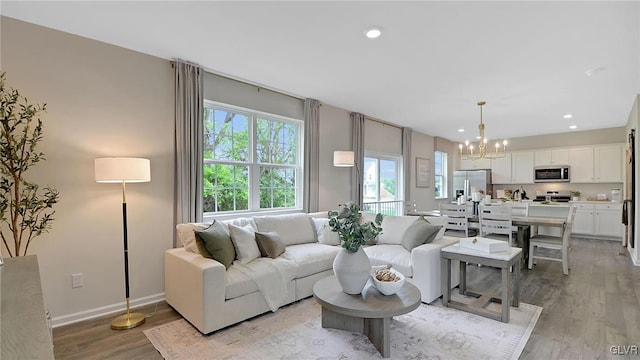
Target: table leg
[(505, 294), (463, 278), (445, 273), (516, 284), (377, 330)]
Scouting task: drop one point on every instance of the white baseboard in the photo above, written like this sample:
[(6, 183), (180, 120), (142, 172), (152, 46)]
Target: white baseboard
[(105, 310)]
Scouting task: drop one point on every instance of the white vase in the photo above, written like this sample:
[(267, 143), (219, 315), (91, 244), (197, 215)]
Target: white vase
[(352, 270)]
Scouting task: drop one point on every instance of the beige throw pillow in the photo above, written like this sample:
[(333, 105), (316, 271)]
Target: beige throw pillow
[(324, 232)]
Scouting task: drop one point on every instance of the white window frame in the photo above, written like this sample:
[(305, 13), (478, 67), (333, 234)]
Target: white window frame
[(399, 173), (443, 174), (254, 166)]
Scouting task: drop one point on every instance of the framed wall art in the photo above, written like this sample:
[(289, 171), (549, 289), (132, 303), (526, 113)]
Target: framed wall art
[(423, 172)]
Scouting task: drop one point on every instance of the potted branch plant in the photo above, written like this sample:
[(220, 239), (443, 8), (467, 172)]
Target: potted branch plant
[(25, 210), (351, 265), (575, 195)]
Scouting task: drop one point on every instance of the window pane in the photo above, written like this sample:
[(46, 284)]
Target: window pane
[(438, 163), (438, 186), (276, 142), (388, 178), (226, 135), (277, 187), (370, 180), (225, 187)]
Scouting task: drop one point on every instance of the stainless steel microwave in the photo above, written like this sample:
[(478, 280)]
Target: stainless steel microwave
[(551, 174)]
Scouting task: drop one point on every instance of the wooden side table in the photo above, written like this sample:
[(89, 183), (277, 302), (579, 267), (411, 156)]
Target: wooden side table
[(503, 260)]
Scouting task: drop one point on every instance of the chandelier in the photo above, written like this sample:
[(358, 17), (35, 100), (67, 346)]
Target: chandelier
[(471, 151)]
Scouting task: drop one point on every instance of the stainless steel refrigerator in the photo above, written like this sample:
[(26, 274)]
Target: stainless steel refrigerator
[(466, 181)]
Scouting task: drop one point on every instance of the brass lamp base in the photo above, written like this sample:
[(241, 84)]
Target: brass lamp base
[(127, 321)]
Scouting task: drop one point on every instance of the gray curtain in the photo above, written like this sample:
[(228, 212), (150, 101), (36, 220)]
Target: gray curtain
[(358, 154), (188, 142), (311, 155), (406, 155)]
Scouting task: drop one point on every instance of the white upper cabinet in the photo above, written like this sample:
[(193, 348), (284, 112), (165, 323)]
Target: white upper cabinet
[(501, 170), (608, 160), (550, 157), (514, 168), (596, 164), (522, 167), (479, 164)]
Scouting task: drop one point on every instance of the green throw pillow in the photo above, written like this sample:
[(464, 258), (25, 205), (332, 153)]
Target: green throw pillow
[(270, 244), (418, 233), (216, 241)]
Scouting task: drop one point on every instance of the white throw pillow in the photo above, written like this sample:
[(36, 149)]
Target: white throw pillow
[(244, 240), (324, 232), (393, 228), (438, 220)]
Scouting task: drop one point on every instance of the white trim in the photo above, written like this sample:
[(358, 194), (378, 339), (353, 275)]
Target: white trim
[(105, 310)]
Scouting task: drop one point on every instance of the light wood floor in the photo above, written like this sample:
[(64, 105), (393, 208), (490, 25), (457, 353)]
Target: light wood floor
[(597, 306)]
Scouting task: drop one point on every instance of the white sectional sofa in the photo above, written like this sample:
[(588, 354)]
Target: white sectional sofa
[(212, 297)]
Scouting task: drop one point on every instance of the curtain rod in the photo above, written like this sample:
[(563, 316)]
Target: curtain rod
[(257, 86), (383, 122)]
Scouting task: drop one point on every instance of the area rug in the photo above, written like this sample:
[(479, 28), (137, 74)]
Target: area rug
[(295, 332)]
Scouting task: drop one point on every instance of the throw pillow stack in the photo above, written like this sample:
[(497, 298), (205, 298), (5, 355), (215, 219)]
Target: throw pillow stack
[(240, 242)]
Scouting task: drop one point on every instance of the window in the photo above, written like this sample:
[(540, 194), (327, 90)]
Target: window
[(441, 175), (382, 183), (252, 160)]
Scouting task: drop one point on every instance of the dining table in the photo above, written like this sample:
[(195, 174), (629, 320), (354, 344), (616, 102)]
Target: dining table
[(523, 223)]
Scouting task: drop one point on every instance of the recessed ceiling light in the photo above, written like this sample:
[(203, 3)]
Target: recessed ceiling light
[(572, 127), (373, 33), (461, 130), (567, 116)]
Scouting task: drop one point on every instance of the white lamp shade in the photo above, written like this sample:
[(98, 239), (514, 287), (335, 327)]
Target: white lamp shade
[(343, 158), (119, 169)]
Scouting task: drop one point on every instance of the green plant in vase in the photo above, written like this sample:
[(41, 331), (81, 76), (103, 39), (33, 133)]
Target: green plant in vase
[(352, 231)]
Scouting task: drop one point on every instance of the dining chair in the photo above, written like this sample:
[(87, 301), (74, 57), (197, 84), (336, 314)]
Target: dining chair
[(555, 244), (457, 217), (495, 222)]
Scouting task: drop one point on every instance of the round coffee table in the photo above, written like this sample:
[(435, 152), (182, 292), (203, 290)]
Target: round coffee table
[(369, 312)]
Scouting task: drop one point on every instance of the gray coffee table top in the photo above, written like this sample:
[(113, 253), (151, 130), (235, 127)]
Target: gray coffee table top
[(370, 303)]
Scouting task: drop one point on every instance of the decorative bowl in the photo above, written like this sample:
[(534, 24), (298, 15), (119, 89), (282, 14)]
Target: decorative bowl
[(388, 287)]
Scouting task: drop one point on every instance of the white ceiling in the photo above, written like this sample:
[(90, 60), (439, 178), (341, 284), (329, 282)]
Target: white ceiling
[(432, 64)]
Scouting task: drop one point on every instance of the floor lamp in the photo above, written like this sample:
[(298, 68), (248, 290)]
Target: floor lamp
[(124, 170), (344, 158)]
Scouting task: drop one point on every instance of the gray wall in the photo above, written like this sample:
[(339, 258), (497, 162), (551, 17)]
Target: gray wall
[(573, 138), (102, 101), (634, 121)]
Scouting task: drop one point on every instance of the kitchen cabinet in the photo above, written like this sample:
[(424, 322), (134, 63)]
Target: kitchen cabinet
[(583, 221), (598, 220), (550, 157), (596, 164), (514, 168), (608, 220), (478, 164)]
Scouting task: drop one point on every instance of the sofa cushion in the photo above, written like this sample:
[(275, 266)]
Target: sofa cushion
[(396, 255), (393, 229), (325, 234), (438, 220), (418, 233), (217, 244), (187, 237), (236, 284), (244, 241), (269, 244), (240, 222), (312, 258), (292, 228)]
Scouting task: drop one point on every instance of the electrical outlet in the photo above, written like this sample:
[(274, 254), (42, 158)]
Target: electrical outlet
[(77, 280)]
